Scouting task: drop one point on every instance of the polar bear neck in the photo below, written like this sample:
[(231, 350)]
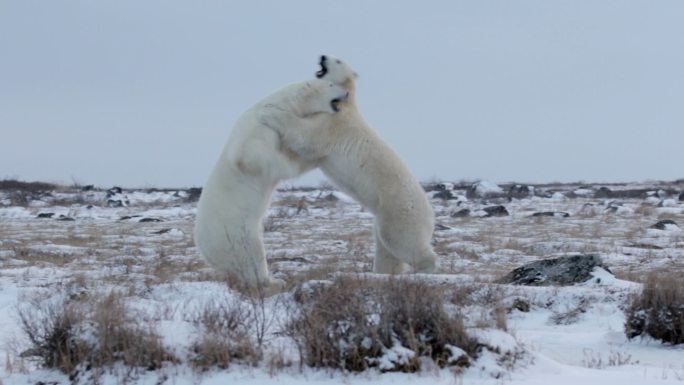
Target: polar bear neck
[(350, 85)]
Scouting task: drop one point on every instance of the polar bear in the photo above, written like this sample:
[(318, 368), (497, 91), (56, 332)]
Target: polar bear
[(362, 165), (228, 227)]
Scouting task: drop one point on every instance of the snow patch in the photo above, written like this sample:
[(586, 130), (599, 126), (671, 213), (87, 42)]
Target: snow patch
[(483, 188)]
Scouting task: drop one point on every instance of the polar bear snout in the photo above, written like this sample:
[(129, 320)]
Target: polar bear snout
[(335, 103)]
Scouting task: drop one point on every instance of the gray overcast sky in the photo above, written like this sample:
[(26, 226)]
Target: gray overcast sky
[(144, 93)]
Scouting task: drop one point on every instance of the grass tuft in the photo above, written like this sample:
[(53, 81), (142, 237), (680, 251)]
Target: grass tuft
[(95, 332), (355, 323), (659, 310)]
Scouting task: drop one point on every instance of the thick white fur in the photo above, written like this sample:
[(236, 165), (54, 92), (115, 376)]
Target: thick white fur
[(361, 164), (228, 227)]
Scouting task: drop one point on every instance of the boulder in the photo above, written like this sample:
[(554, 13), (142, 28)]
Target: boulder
[(496, 211), (331, 198), (563, 271), (681, 197), (115, 203), (520, 191), (603, 192), (444, 195), (114, 191), (665, 224), (194, 194), (441, 227), (461, 213), (558, 214), (148, 220)]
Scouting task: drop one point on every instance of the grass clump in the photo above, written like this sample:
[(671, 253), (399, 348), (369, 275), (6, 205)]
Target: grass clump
[(659, 310), (394, 324), (225, 336), (92, 333)]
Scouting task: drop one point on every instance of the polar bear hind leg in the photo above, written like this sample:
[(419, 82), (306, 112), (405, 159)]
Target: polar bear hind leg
[(406, 245), (250, 262), (385, 262)]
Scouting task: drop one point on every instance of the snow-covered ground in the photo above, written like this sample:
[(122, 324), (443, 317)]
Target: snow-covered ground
[(139, 243)]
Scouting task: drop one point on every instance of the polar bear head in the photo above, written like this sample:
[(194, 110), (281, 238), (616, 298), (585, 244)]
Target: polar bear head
[(336, 71), (316, 96)]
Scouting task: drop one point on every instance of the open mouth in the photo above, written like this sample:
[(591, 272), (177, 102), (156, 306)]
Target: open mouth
[(335, 103), (324, 68)]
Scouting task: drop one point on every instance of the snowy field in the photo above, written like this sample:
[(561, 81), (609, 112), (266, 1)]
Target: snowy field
[(71, 243)]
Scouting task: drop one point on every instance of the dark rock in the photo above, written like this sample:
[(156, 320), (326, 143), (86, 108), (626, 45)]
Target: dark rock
[(645, 246), (603, 192), (629, 194), (147, 219), (681, 197), (662, 225), (115, 203), (441, 227), (89, 207), (444, 195), (194, 194), (331, 198), (559, 214), (162, 231), (65, 218), (114, 191), (461, 213), (519, 191), (45, 215), (496, 211), (89, 187), (613, 207), (127, 217), (561, 271)]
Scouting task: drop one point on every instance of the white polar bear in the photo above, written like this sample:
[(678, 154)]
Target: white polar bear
[(228, 228), (361, 164)]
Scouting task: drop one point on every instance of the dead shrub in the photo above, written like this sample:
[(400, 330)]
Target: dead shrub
[(50, 329), (69, 334), (225, 336), (31, 187), (659, 310), (571, 315), (355, 323)]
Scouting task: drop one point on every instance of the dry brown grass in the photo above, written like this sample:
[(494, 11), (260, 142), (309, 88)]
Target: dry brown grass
[(73, 335), (353, 321), (659, 310), (225, 336), (40, 258)]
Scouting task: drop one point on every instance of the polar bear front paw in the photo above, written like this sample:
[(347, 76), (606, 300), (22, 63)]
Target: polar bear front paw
[(272, 287)]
